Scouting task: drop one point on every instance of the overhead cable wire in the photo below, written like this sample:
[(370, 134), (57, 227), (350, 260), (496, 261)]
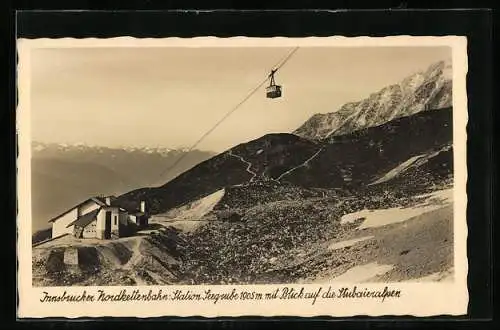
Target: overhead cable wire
[(286, 58), (230, 112)]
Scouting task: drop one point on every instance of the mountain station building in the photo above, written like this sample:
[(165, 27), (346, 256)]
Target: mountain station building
[(101, 218)]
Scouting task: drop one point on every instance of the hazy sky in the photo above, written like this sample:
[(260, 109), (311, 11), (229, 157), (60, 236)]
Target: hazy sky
[(171, 96)]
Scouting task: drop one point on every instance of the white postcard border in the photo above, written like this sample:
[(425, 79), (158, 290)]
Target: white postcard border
[(417, 299)]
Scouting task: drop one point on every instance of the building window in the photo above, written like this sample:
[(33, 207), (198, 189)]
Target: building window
[(116, 220)]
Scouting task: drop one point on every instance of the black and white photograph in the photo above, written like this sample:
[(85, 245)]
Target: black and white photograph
[(209, 165)]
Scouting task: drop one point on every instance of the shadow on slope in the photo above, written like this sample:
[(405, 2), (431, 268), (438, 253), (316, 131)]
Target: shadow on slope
[(357, 159), (347, 161)]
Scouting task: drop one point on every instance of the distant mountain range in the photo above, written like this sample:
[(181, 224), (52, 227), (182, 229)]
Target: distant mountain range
[(50, 148), (63, 175), (427, 90)]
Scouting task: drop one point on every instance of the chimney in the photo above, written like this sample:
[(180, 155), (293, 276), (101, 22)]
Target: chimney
[(143, 206), (108, 200)]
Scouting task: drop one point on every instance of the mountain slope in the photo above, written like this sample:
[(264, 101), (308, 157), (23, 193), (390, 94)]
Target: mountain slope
[(347, 161), (359, 158), (428, 90), (306, 240), (257, 160)]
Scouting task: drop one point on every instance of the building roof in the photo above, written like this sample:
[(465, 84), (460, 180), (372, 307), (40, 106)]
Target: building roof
[(85, 219), (98, 200), (101, 201)]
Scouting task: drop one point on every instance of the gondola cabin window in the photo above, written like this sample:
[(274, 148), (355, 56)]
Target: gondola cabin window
[(273, 91)]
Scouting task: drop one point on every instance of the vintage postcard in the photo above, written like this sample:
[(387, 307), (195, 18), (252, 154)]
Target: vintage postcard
[(242, 176)]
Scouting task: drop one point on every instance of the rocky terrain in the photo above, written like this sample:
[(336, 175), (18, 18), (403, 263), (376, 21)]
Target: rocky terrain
[(362, 195), (308, 235), (393, 217), (139, 260), (305, 240), (422, 91)]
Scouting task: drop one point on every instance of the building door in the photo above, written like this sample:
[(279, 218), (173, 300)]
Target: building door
[(107, 225)]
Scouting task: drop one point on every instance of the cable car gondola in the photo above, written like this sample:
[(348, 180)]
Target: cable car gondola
[(273, 91)]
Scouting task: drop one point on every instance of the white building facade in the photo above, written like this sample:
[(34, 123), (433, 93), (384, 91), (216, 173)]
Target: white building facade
[(98, 218)]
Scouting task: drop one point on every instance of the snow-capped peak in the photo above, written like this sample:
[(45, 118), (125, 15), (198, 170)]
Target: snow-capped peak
[(425, 90), (82, 146)]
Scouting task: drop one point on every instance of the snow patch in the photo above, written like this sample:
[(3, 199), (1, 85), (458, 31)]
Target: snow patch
[(397, 170), (191, 211), (347, 243), (446, 195), (418, 160), (363, 273), (383, 217)]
